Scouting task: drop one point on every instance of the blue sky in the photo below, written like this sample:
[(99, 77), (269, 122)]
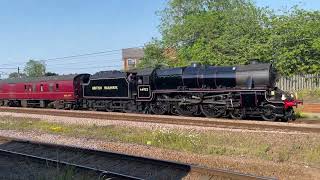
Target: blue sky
[(43, 29), (286, 4)]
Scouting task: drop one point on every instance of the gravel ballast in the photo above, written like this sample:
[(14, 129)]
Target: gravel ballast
[(151, 126), (245, 165), (282, 170)]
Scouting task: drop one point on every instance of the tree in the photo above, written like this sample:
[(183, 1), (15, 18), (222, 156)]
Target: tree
[(233, 32), (154, 55), (50, 74), (296, 41), (16, 75), (35, 68), (217, 32)]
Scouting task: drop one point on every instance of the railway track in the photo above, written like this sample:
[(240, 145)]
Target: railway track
[(81, 171), (109, 165), (176, 120)]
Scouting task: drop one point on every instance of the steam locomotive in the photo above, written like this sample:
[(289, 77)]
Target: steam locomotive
[(238, 92)]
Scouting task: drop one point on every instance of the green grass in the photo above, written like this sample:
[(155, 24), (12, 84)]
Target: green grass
[(309, 95), (303, 115), (313, 154), (268, 146)]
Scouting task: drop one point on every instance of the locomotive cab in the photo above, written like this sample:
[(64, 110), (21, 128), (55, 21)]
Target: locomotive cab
[(144, 82), (77, 83)]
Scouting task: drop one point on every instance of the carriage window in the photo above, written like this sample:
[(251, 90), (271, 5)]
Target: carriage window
[(30, 89), (41, 87), (50, 87), (34, 87), (57, 87), (25, 88)]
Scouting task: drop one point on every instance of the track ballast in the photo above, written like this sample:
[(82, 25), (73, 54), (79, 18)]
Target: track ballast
[(104, 164)]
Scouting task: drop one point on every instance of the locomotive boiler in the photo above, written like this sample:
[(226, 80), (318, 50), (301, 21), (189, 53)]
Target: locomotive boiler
[(254, 76), (215, 91)]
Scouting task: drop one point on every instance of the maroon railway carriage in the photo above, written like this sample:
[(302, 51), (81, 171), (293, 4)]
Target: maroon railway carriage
[(52, 91)]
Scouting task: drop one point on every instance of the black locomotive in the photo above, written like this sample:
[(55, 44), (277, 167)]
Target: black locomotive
[(213, 91)]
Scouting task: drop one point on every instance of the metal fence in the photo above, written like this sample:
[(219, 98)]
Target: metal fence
[(299, 82)]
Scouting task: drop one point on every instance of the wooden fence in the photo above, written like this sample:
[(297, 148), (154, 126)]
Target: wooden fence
[(299, 82)]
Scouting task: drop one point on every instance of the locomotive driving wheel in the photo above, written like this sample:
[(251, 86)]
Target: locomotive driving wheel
[(268, 112), (183, 108), (109, 107), (212, 110), (160, 106), (289, 115), (129, 107), (237, 113)]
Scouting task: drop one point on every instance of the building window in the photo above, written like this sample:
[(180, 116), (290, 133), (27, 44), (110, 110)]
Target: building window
[(131, 63)]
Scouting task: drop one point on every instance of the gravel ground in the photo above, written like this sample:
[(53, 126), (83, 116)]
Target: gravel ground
[(254, 166), (259, 167), (151, 126), (146, 116)]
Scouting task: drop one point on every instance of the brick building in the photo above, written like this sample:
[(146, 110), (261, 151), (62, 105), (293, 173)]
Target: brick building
[(131, 57)]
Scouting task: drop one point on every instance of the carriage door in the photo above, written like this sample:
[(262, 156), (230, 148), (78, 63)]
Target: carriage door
[(12, 91)]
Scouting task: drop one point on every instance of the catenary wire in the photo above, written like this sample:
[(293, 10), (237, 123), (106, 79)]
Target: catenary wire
[(75, 56)]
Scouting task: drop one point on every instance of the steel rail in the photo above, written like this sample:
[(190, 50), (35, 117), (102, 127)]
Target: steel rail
[(102, 173), (229, 174), (207, 172), (176, 120)]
